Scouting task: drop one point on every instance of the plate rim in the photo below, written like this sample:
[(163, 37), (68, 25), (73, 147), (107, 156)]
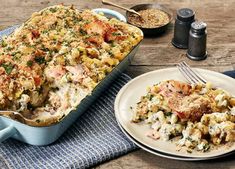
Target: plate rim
[(123, 89)]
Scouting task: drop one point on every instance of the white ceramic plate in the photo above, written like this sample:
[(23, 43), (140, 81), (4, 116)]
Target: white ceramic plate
[(168, 155), (130, 94)]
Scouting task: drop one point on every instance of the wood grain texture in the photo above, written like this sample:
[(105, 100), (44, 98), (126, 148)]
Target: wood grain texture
[(143, 160), (156, 53)]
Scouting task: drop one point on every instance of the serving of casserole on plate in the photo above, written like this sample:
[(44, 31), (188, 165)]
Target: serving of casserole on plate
[(56, 58), (176, 118), (201, 115)]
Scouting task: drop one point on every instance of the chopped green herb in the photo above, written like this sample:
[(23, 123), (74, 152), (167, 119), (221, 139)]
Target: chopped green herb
[(28, 45), (45, 49), (54, 25), (149, 96), (206, 147), (76, 19), (189, 150), (66, 44), (67, 25), (29, 63), (45, 31), (67, 12), (189, 139), (14, 53), (116, 34), (110, 53), (40, 60), (112, 44), (24, 37), (168, 113), (8, 67), (133, 35), (38, 120), (3, 43), (53, 10), (9, 48), (87, 21), (16, 56), (82, 32)]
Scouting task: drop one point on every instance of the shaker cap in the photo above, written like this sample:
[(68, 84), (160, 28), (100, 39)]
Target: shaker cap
[(198, 26), (185, 14)]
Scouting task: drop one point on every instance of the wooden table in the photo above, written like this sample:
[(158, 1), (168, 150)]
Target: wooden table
[(156, 53)]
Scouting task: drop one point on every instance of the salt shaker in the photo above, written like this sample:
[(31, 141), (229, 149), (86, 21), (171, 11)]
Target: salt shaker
[(197, 41), (183, 21)]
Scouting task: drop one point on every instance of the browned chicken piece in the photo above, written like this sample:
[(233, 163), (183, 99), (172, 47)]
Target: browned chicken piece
[(97, 30), (174, 88), (182, 102), (100, 32), (190, 107), (114, 35), (96, 27)]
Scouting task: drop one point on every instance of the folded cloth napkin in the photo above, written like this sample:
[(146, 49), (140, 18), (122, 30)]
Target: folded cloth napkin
[(230, 73), (93, 138)]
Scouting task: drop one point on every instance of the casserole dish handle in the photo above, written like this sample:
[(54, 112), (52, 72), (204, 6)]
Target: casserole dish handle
[(7, 132)]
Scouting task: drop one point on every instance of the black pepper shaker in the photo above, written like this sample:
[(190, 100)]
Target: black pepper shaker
[(183, 21), (197, 41)]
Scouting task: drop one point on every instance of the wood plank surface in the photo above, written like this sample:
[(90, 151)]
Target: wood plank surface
[(156, 53)]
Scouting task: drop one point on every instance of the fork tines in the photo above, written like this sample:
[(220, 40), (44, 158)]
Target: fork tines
[(191, 75)]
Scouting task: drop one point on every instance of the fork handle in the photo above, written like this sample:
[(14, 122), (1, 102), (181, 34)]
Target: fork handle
[(105, 2)]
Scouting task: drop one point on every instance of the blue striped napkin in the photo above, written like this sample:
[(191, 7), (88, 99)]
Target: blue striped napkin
[(95, 137)]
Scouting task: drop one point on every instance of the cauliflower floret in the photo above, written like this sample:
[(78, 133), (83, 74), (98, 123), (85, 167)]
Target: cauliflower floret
[(23, 101)]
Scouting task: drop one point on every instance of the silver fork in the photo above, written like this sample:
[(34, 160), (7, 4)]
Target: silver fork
[(191, 75)]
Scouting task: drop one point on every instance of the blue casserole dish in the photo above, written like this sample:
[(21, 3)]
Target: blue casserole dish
[(46, 135)]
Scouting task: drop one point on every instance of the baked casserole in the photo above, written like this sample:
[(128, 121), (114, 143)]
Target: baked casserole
[(56, 58)]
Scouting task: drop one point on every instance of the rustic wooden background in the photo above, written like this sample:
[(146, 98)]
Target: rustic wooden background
[(156, 53)]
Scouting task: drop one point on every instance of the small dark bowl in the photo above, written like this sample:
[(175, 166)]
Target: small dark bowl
[(152, 31)]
